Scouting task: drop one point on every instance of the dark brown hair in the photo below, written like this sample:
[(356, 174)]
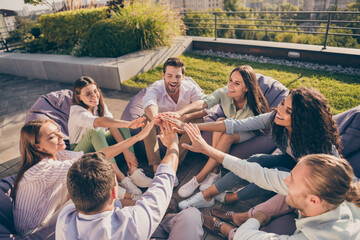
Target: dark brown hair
[(254, 96), (80, 84), (30, 155), (90, 181), (332, 179), (313, 128), (174, 62)]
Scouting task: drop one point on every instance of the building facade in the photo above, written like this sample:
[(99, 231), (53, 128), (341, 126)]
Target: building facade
[(196, 5), (7, 22)]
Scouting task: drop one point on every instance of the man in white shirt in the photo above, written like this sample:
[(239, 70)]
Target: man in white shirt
[(321, 187), (169, 94)]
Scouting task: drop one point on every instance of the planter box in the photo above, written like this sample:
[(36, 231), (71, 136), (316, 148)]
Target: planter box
[(107, 72)]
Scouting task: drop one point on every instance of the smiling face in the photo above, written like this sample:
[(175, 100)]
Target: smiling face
[(298, 196), (51, 139), (236, 85), (90, 96), (284, 111), (173, 77)]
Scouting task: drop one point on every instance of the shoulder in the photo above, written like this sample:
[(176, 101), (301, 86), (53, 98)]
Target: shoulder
[(188, 84)]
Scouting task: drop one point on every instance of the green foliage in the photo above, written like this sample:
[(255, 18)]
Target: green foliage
[(66, 29), (141, 25), (232, 5), (211, 73), (241, 25), (112, 38)]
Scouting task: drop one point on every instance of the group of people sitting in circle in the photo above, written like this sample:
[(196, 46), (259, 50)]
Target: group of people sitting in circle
[(86, 194)]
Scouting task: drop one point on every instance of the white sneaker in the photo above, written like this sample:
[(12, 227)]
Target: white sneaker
[(197, 201), (129, 186), (121, 192), (221, 197), (188, 188), (135, 197), (140, 179), (210, 179)]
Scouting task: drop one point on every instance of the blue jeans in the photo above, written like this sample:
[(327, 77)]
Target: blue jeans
[(282, 162)]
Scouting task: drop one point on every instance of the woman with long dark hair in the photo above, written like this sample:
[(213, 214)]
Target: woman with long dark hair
[(240, 98), (302, 124)]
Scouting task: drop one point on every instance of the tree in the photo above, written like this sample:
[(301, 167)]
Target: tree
[(232, 5), (37, 2)]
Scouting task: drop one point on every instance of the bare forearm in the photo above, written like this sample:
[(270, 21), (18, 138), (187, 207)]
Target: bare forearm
[(215, 154), (195, 106), (151, 112), (172, 156), (212, 126), (110, 123), (120, 147), (197, 114)]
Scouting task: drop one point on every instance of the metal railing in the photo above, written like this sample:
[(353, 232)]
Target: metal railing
[(309, 22)]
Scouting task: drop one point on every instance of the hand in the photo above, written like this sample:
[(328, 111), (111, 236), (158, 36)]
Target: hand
[(198, 142), (168, 136), (176, 124), (262, 217), (130, 159), (146, 130), (170, 114), (185, 118), (137, 123)]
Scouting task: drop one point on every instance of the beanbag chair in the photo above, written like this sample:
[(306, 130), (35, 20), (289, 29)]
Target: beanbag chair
[(349, 127), (55, 106), (7, 230)]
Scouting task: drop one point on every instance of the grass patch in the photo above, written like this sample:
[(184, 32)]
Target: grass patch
[(211, 73)]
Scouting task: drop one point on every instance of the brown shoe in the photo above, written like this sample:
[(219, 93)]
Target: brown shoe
[(212, 224), (226, 216)]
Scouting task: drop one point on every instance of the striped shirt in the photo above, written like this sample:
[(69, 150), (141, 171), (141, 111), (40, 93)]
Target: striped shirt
[(42, 191)]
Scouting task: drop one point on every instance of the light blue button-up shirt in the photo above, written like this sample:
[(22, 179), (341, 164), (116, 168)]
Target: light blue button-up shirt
[(135, 222)]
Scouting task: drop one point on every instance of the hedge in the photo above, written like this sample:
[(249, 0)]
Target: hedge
[(141, 25), (66, 29)]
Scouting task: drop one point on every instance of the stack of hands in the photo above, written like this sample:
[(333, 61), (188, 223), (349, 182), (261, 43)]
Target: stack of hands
[(170, 123)]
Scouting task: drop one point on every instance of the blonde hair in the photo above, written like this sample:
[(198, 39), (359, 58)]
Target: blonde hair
[(332, 179)]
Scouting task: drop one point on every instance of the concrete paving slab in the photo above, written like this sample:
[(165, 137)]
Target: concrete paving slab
[(30, 68)]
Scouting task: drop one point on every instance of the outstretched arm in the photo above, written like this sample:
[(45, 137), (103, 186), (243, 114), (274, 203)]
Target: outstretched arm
[(195, 106), (150, 209), (200, 145), (115, 123), (118, 148)]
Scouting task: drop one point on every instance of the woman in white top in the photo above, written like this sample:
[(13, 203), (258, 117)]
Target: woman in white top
[(39, 190), (240, 98), (88, 122)]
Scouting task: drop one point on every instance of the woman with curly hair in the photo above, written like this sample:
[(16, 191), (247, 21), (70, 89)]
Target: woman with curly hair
[(302, 124)]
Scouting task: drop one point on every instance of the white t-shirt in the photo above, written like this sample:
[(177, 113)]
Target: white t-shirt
[(81, 121)]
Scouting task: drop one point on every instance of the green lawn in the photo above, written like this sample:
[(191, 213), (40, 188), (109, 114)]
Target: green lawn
[(211, 73)]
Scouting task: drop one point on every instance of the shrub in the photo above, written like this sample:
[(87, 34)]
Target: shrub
[(66, 29), (140, 25)]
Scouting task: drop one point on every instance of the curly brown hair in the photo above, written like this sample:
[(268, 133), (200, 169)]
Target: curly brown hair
[(313, 128)]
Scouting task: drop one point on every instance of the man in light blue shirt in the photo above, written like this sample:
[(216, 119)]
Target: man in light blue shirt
[(98, 214)]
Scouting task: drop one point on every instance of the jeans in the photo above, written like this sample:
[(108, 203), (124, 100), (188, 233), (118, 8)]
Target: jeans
[(95, 140), (282, 162)]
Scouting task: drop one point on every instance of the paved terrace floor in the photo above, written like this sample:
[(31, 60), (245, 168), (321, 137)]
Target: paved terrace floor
[(18, 94)]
